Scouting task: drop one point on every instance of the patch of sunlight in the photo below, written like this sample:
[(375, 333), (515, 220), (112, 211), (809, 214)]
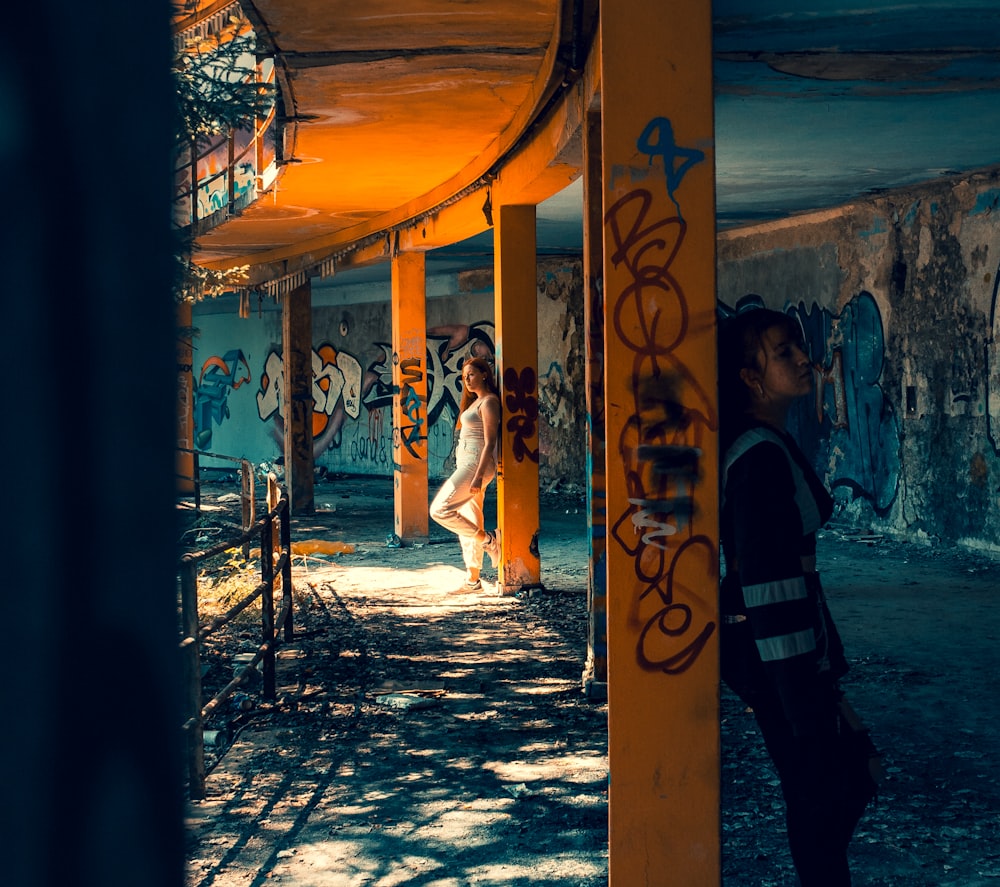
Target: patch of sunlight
[(458, 674), (352, 809), (532, 871), (487, 715), (408, 866), (545, 686), (442, 576)]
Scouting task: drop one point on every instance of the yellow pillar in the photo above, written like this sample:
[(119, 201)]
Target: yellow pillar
[(662, 479), (516, 314), (409, 404)]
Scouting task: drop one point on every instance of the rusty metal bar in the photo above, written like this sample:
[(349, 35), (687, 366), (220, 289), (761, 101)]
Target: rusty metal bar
[(197, 483), (267, 602), (285, 529), (273, 559), (247, 501)]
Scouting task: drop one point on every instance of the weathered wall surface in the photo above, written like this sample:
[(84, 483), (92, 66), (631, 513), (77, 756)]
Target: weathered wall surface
[(897, 297), (237, 370)]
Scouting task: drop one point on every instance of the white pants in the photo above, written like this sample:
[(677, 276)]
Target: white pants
[(457, 508)]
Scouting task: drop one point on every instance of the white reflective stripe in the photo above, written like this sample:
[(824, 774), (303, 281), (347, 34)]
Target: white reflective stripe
[(804, 499), (786, 646), (765, 593)]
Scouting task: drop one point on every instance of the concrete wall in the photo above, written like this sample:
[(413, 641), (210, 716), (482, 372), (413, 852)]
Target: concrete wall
[(237, 373), (897, 296)]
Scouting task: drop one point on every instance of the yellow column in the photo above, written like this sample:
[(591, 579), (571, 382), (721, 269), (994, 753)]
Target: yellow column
[(409, 405), (516, 313), (662, 480)]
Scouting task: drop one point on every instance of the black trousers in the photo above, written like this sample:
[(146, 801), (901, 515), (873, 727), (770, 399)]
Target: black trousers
[(825, 779), (825, 794)]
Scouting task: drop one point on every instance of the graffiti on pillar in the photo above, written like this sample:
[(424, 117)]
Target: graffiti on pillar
[(521, 412), (218, 376), (411, 432), (661, 440), (337, 391), (657, 140)]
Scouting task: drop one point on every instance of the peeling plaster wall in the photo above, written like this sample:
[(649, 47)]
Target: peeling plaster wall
[(562, 389), (897, 297), (237, 370)]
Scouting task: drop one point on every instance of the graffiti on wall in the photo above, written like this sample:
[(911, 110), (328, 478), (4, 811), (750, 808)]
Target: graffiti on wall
[(337, 389), (218, 376), (448, 347), (373, 449), (849, 430), (341, 388), (671, 414)]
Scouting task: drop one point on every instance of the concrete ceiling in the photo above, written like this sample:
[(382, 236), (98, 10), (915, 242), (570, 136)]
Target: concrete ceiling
[(400, 111)]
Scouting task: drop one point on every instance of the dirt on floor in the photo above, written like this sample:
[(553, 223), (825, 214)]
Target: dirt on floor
[(424, 735)]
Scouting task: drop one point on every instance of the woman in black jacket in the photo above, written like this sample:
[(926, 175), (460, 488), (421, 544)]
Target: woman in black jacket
[(780, 649)]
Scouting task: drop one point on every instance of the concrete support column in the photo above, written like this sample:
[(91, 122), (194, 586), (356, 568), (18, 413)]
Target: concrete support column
[(516, 311), (662, 478), (595, 673), (296, 333), (409, 405)]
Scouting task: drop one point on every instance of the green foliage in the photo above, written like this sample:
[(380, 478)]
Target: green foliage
[(194, 283), (217, 90)]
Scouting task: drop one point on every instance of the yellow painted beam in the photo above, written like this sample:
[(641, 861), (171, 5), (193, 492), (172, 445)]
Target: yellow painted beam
[(516, 320), (409, 403), (530, 172), (662, 480)]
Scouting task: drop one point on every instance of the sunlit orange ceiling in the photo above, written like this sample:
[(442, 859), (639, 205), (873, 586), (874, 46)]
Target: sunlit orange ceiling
[(400, 117), (390, 109)]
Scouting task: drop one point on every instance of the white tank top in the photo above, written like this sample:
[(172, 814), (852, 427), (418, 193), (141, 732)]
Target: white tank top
[(472, 423)]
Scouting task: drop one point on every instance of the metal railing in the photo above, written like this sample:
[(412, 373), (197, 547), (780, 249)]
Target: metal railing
[(248, 494), (275, 561)]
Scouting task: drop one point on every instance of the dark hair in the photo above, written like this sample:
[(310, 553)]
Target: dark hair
[(740, 342), (468, 397)]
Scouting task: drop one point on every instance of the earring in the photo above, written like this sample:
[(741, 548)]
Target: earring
[(759, 389)]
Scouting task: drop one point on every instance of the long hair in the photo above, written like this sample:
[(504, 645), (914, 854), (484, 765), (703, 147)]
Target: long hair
[(468, 396), (740, 344)]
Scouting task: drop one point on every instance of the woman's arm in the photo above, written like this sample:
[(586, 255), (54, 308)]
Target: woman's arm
[(490, 414)]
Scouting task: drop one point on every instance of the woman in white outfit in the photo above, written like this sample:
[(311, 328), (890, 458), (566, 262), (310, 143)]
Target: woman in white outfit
[(458, 506)]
